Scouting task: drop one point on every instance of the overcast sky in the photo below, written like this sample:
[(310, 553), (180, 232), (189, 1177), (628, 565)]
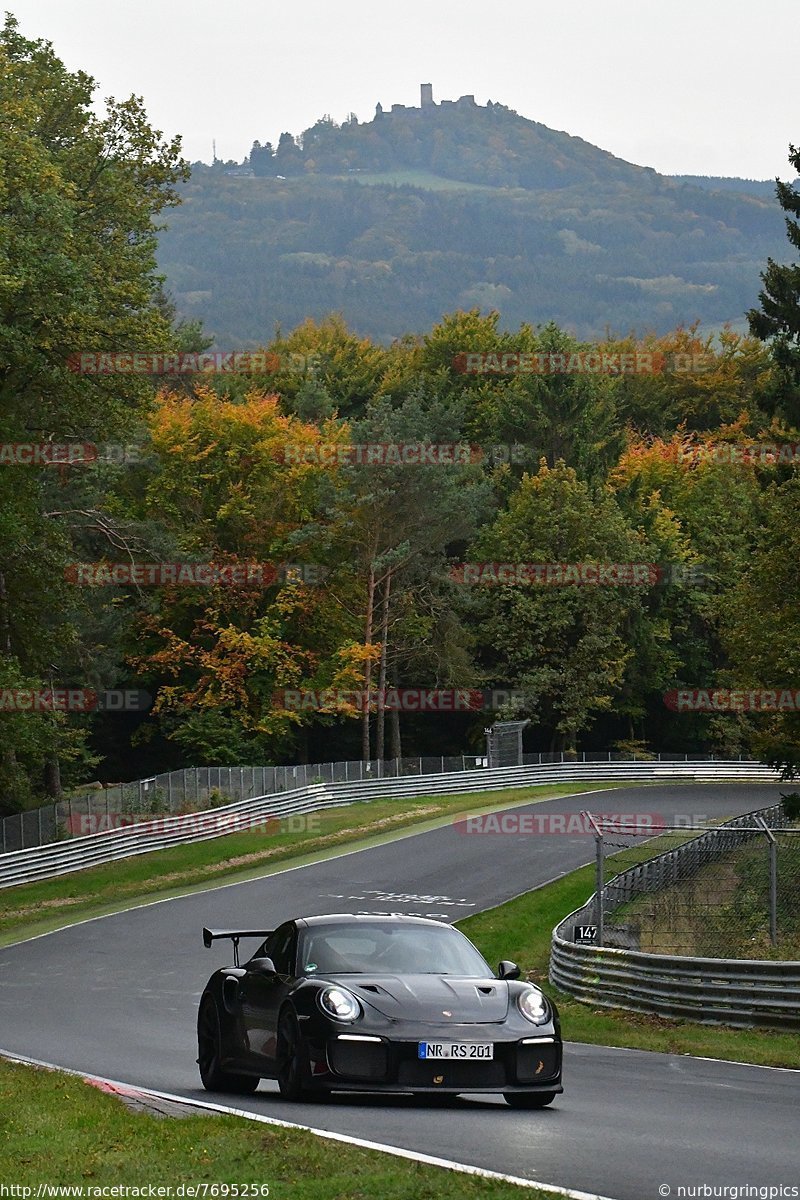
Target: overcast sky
[(703, 87)]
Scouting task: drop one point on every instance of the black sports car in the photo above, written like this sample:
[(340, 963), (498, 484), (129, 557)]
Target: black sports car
[(377, 1004)]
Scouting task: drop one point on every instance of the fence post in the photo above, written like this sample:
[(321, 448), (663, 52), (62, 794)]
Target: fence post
[(773, 881), (599, 874), (3, 823), (773, 891), (600, 885)]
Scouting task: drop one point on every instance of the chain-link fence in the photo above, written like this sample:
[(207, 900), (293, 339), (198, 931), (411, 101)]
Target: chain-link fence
[(199, 788), (727, 892), (195, 790)]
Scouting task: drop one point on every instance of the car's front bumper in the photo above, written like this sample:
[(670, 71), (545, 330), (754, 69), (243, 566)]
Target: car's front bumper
[(530, 1064)]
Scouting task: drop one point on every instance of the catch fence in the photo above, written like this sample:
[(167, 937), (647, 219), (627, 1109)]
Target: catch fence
[(197, 789)]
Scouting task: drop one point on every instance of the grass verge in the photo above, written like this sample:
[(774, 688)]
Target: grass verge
[(54, 903), (56, 1129), (521, 930)]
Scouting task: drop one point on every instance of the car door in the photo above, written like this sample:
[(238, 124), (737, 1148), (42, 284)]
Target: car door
[(262, 995)]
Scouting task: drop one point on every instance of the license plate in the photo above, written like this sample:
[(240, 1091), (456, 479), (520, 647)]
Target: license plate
[(460, 1050)]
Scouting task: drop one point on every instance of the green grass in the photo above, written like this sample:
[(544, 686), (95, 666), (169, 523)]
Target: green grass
[(56, 1129), (416, 178), (53, 903), (521, 930)]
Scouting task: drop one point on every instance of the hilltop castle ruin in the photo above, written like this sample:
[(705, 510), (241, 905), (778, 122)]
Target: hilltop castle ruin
[(427, 103)]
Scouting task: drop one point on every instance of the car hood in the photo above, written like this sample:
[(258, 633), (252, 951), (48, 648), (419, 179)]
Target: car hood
[(433, 998)]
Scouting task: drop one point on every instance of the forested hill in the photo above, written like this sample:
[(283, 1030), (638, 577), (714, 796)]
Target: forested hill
[(424, 211), (462, 141)]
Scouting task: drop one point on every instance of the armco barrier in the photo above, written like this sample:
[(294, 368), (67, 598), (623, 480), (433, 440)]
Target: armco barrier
[(45, 862), (739, 992), (194, 789)]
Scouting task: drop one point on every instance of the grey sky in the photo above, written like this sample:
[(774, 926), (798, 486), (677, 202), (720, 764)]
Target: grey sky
[(686, 86)]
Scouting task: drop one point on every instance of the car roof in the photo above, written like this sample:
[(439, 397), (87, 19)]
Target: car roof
[(366, 919)]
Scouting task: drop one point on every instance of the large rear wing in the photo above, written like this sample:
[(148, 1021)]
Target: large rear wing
[(211, 935)]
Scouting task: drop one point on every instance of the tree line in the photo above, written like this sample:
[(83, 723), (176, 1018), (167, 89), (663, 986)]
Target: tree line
[(364, 590)]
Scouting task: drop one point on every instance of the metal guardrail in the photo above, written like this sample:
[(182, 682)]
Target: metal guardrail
[(738, 992), (45, 862), (194, 789)]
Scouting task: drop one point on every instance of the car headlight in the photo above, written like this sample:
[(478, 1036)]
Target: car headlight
[(533, 1006), (337, 1002)]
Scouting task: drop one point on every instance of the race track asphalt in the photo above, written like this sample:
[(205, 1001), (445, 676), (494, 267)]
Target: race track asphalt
[(117, 997)]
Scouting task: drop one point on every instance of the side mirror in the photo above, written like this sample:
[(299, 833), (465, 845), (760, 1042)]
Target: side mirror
[(508, 970), (261, 966)]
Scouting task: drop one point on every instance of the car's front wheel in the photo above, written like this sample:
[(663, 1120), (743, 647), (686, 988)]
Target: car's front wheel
[(209, 1052), (293, 1062), (529, 1099)]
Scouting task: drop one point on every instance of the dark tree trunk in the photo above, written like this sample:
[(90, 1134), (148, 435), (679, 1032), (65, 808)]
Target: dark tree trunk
[(365, 731), (381, 718)]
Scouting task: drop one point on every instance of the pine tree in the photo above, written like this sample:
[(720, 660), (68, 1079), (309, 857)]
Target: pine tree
[(779, 315)]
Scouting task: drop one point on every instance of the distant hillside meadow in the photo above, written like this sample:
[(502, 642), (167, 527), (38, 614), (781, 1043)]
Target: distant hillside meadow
[(425, 211)]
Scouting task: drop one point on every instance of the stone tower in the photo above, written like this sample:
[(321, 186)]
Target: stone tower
[(426, 95)]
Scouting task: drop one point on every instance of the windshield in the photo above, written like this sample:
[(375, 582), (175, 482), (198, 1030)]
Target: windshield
[(396, 949)]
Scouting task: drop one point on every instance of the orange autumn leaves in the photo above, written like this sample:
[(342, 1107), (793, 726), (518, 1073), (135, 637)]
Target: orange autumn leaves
[(240, 482)]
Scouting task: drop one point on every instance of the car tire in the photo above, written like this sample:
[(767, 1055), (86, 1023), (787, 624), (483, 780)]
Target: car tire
[(293, 1066), (529, 1099), (209, 1042)]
